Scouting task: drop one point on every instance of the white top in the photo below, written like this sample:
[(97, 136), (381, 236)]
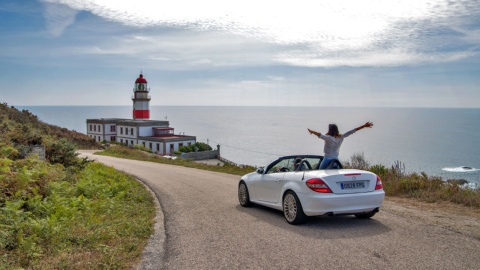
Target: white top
[(332, 144)]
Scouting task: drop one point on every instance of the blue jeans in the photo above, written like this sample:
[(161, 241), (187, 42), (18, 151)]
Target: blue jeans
[(325, 162)]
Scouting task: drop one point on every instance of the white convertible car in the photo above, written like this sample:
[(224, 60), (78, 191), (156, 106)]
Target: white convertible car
[(295, 185)]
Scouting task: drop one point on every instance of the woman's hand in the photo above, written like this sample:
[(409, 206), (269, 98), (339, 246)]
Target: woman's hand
[(313, 132), (368, 125)]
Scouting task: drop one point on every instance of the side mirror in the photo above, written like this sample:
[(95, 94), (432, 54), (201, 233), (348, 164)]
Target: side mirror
[(260, 170)]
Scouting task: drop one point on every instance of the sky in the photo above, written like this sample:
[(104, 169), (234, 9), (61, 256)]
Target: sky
[(348, 53)]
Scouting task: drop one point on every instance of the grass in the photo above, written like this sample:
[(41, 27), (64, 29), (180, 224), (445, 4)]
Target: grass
[(396, 182), (51, 218), (129, 153)]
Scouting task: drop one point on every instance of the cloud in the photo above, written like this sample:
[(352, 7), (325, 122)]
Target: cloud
[(305, 32), (58, 17)]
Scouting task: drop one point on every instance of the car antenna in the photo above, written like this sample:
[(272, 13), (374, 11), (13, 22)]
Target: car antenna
[(303, 177)]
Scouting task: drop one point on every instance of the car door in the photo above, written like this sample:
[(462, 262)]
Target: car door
[(269, 185)]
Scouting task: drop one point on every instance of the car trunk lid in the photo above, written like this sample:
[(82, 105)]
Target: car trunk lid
[(350, 181)]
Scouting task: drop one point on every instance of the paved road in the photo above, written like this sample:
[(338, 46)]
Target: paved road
[(207, 229)]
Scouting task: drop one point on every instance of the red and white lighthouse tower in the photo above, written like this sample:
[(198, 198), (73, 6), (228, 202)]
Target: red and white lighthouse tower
[(141, 99)]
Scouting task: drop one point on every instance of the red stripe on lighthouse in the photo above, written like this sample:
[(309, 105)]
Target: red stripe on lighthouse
[(141, 114)]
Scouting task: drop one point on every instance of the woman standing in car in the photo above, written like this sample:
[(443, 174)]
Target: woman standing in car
[(333, 140)]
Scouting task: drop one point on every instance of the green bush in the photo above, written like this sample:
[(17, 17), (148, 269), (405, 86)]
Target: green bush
[(8, 152), (61, 151), (379, 169), (197, 147)]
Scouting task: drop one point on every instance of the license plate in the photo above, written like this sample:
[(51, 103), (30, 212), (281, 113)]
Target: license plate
[(352, 185)]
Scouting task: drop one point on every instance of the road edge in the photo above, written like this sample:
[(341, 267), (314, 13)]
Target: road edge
[(154, 252)]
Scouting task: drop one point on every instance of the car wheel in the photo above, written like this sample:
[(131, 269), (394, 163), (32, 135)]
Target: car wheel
[(365, 215), (243, 196), (292, 209)]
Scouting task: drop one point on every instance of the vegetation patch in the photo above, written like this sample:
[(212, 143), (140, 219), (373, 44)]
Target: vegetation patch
[(52, 219), (65, 212), (418, 186)]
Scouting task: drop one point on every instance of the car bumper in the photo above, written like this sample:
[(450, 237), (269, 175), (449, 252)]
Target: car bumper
[(315, 204)]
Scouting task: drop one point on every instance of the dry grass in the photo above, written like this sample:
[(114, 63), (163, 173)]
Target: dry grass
[(398, 183)]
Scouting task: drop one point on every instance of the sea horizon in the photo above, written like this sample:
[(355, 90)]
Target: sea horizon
[(425, 139)]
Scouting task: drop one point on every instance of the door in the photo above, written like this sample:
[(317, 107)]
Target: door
[(269, 185)]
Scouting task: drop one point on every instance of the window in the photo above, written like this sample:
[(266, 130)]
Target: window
[(95, 128), (121, 140), (143, 144), (131, 131), (90, 126), (150, 144), (113, 138), (121, 130), (113, 128), (158, 147), (132, 142)]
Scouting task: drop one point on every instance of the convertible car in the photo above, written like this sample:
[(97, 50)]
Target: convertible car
[(296, 186)]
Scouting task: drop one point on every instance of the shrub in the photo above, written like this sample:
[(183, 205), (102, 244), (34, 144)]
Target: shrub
[(141, 148), (358, 161), (379, 169), (8, 152), (197, 147), (61, 151)]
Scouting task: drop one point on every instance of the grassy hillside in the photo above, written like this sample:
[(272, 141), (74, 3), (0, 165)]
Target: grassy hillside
[(65, 212), (24, 128)]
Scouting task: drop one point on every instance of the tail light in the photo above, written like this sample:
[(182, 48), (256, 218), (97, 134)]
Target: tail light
[(318, 185), (379, 184)]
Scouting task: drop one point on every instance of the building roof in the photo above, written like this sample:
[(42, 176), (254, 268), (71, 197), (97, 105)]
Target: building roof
[(172, 138), (130, 122)]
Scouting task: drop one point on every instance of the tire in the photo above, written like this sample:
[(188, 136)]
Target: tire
[(365, 215), (292, 209), (243, 196)]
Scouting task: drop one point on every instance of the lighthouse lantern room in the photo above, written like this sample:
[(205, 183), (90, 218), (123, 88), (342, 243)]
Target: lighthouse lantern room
[(141, 99)]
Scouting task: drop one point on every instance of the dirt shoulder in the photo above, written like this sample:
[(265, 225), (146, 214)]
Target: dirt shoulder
[(457, 218)]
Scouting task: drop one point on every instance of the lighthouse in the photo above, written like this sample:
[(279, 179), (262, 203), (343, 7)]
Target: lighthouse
[(155, 135), (141, 99)]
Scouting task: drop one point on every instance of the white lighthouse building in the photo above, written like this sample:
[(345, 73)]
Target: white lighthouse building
[(155, 135)]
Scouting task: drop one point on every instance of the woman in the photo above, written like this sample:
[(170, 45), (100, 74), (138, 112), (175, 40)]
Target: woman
[(333, 140)]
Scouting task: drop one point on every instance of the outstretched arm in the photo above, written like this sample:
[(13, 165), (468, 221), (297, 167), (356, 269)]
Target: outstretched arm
[(314, 132), (366, 125)]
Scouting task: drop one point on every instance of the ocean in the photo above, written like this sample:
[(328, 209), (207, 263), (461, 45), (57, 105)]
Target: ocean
[(438, 141)]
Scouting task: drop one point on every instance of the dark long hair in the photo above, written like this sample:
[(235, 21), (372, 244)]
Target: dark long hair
[(333, 130)]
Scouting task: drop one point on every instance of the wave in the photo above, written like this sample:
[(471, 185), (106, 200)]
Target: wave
[(461, 169)]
